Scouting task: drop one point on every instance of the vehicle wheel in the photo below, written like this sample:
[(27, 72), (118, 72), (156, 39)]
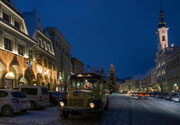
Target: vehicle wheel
[(33, 105), (8, 111), (64, 115)]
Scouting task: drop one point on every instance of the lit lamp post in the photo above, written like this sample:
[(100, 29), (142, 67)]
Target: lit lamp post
[(60, 80), (175, 87)]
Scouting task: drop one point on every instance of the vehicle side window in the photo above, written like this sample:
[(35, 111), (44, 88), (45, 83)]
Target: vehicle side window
[(29, 91), (18, 95), (44, 91), (3, 94)]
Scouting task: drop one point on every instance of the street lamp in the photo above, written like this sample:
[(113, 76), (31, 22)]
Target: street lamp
[(60, 79)]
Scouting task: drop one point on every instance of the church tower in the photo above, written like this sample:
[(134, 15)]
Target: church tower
[(162, 32)]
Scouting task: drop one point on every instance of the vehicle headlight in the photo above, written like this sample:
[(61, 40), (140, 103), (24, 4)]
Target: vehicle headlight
[(61, 104), (92, 105)]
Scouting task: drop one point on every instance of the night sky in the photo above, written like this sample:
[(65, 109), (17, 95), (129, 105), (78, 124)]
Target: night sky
[(101, 32)]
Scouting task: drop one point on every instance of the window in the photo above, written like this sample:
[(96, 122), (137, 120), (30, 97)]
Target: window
[(163, 38), (18, 95), (20, 50), (40, 42), (59, 46), (29, 91), (38, 58), (45, 63), (44, 44), (17, 24), (30, 52), (3, 94), (50, 65), (54, 67), (56, 43), (48, 47), (6, 17), (7, 44)]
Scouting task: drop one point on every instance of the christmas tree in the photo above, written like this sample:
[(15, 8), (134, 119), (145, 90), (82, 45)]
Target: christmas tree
[(112, 83)]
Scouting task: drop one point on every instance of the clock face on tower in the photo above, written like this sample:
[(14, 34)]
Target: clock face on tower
[(163, 31)]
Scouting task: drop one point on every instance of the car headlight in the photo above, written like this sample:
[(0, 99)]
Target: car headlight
[(61, 104), (92, 105)]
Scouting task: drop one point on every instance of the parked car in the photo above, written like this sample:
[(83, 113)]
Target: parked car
[(165, 95), (169, 96), (54, 97), (12, 101), (157, 95), (175, 97), (37, 95)]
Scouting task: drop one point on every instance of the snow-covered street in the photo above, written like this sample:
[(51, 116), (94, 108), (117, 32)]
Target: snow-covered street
[(123, 110), (32, 117)]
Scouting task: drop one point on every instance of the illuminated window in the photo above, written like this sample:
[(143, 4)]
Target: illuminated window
[(163, 38), (7, 44), (20, 50), (6, 17), (38, 57)]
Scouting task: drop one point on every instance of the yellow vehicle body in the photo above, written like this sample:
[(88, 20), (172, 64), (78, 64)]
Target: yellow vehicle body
[(86, 94)]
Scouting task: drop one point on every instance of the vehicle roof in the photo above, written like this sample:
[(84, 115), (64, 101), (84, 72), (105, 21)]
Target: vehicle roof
[(86, 75), (9, 90)]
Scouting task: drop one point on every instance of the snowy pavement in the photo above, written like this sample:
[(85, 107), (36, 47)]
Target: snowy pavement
[(32, 117), (123, 110)]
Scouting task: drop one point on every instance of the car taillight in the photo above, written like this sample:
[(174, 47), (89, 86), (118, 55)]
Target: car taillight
[(14, 100)]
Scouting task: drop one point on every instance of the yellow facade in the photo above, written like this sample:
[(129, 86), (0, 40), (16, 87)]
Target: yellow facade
[(15, 70)]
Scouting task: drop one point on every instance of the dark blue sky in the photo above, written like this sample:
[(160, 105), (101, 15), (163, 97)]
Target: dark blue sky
[(101, 32)]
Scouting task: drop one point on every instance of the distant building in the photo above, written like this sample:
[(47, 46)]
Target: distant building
[(77, 66), (63, 56)]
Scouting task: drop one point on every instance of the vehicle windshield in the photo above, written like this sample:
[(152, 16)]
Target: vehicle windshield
[(84, 84)]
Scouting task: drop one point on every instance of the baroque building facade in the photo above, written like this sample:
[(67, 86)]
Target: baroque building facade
[(173, 71), (20, 63), (164, 58)]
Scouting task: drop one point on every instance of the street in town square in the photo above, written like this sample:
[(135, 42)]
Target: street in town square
[(123, 110), (89, 62)]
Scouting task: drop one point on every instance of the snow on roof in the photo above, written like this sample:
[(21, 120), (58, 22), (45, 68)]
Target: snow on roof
[(33, 22), (12, 5)]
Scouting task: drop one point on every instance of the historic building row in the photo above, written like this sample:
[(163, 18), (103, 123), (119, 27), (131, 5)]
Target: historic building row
[(31, 54)]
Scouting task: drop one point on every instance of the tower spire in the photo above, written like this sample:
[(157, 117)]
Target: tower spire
[(162, 23)]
